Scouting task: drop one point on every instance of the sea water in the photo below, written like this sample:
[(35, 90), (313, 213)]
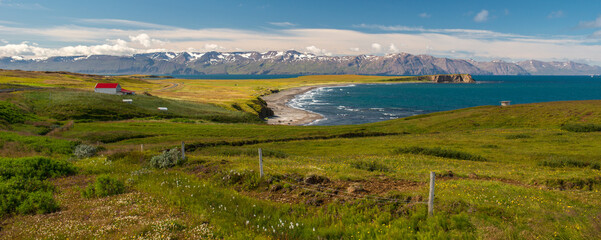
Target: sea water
[(364, 103)]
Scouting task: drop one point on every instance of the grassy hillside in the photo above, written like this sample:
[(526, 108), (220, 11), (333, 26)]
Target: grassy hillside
[(519, 172)]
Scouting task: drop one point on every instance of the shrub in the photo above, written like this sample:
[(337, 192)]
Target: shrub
[(23, 185), (11, 114), (39, 202), (167, 159), (577, 127), (370, 166), (439, 152), (104, 186), (84, 151)]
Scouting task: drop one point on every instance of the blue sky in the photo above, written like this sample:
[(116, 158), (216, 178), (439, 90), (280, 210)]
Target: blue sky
[(480, 30)]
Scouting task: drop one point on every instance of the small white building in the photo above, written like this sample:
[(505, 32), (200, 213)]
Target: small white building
[(112, 88)]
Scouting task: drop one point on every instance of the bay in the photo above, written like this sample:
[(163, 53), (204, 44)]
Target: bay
[(364, 103)]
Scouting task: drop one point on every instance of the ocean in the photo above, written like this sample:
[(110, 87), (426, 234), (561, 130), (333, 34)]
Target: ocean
[(365, 103)]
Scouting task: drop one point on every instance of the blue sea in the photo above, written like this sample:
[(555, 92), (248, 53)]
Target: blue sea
[(365, 103)]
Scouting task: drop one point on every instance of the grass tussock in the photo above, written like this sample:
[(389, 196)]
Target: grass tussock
[(562, 162), (113, 136), (518, 136), (370, 166), (249, 152), (577, 127), (440, 152)]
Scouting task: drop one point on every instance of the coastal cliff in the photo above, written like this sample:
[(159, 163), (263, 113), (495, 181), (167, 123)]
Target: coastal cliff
[(449, 78)]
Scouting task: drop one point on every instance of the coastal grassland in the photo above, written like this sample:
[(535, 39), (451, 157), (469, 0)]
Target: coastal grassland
[(515, 193), (538, 179), (232, 94), (73, 80), (69, 104)]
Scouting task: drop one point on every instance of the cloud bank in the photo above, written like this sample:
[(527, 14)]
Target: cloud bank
[(147, 37)]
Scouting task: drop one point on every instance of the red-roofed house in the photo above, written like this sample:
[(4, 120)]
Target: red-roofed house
[(112, 88)]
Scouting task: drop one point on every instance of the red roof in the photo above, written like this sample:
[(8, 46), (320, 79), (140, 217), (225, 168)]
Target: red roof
[(106, 85)]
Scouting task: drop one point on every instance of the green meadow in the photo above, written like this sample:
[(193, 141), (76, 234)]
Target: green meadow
[(96, 170)]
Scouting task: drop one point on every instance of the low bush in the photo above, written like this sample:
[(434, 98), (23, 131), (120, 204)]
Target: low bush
[(11, 114), (104, 186), (23, 185), (167, 159), (85, 151), (370, 166), (440, 152), (577, 127)]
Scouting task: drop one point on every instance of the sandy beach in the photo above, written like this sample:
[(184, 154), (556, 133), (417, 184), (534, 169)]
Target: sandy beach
[(285, 115)]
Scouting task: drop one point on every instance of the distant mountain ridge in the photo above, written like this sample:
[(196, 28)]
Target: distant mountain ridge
[(289, 62)]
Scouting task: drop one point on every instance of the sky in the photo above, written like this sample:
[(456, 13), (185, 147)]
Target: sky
[(509, 30)]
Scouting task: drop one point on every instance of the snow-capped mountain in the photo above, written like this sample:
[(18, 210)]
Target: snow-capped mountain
[(288, 62)]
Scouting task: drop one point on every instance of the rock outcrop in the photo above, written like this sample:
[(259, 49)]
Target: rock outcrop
[(451, 78)]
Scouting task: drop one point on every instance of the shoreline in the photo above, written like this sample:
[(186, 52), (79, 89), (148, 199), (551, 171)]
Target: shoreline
[(286, 115)]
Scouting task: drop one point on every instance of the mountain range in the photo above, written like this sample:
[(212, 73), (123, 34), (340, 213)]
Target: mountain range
[(289, 62)]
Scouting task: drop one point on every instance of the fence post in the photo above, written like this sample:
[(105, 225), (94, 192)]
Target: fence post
[(183, 151), (261, 162), (431, 197), (141, 147)]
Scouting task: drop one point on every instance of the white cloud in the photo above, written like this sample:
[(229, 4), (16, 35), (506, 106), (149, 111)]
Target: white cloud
[(556, 14), (393, 49), (482, 16), (355, 49), (282, 24), (318, 51), (376, 47), (122, 22), (592, 24), (424, 15), (30, 50), (213, 47), (468, 33), (143, 39), (3, 41)]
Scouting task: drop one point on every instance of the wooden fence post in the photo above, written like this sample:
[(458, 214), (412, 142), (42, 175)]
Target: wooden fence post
[(431, 197), (141, 147), (261, 162), (183, 151)]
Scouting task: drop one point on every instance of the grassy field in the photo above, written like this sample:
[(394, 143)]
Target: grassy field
[(519, 172)]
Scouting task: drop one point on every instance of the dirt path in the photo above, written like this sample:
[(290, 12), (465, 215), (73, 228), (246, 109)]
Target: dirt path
[(171, 86)]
